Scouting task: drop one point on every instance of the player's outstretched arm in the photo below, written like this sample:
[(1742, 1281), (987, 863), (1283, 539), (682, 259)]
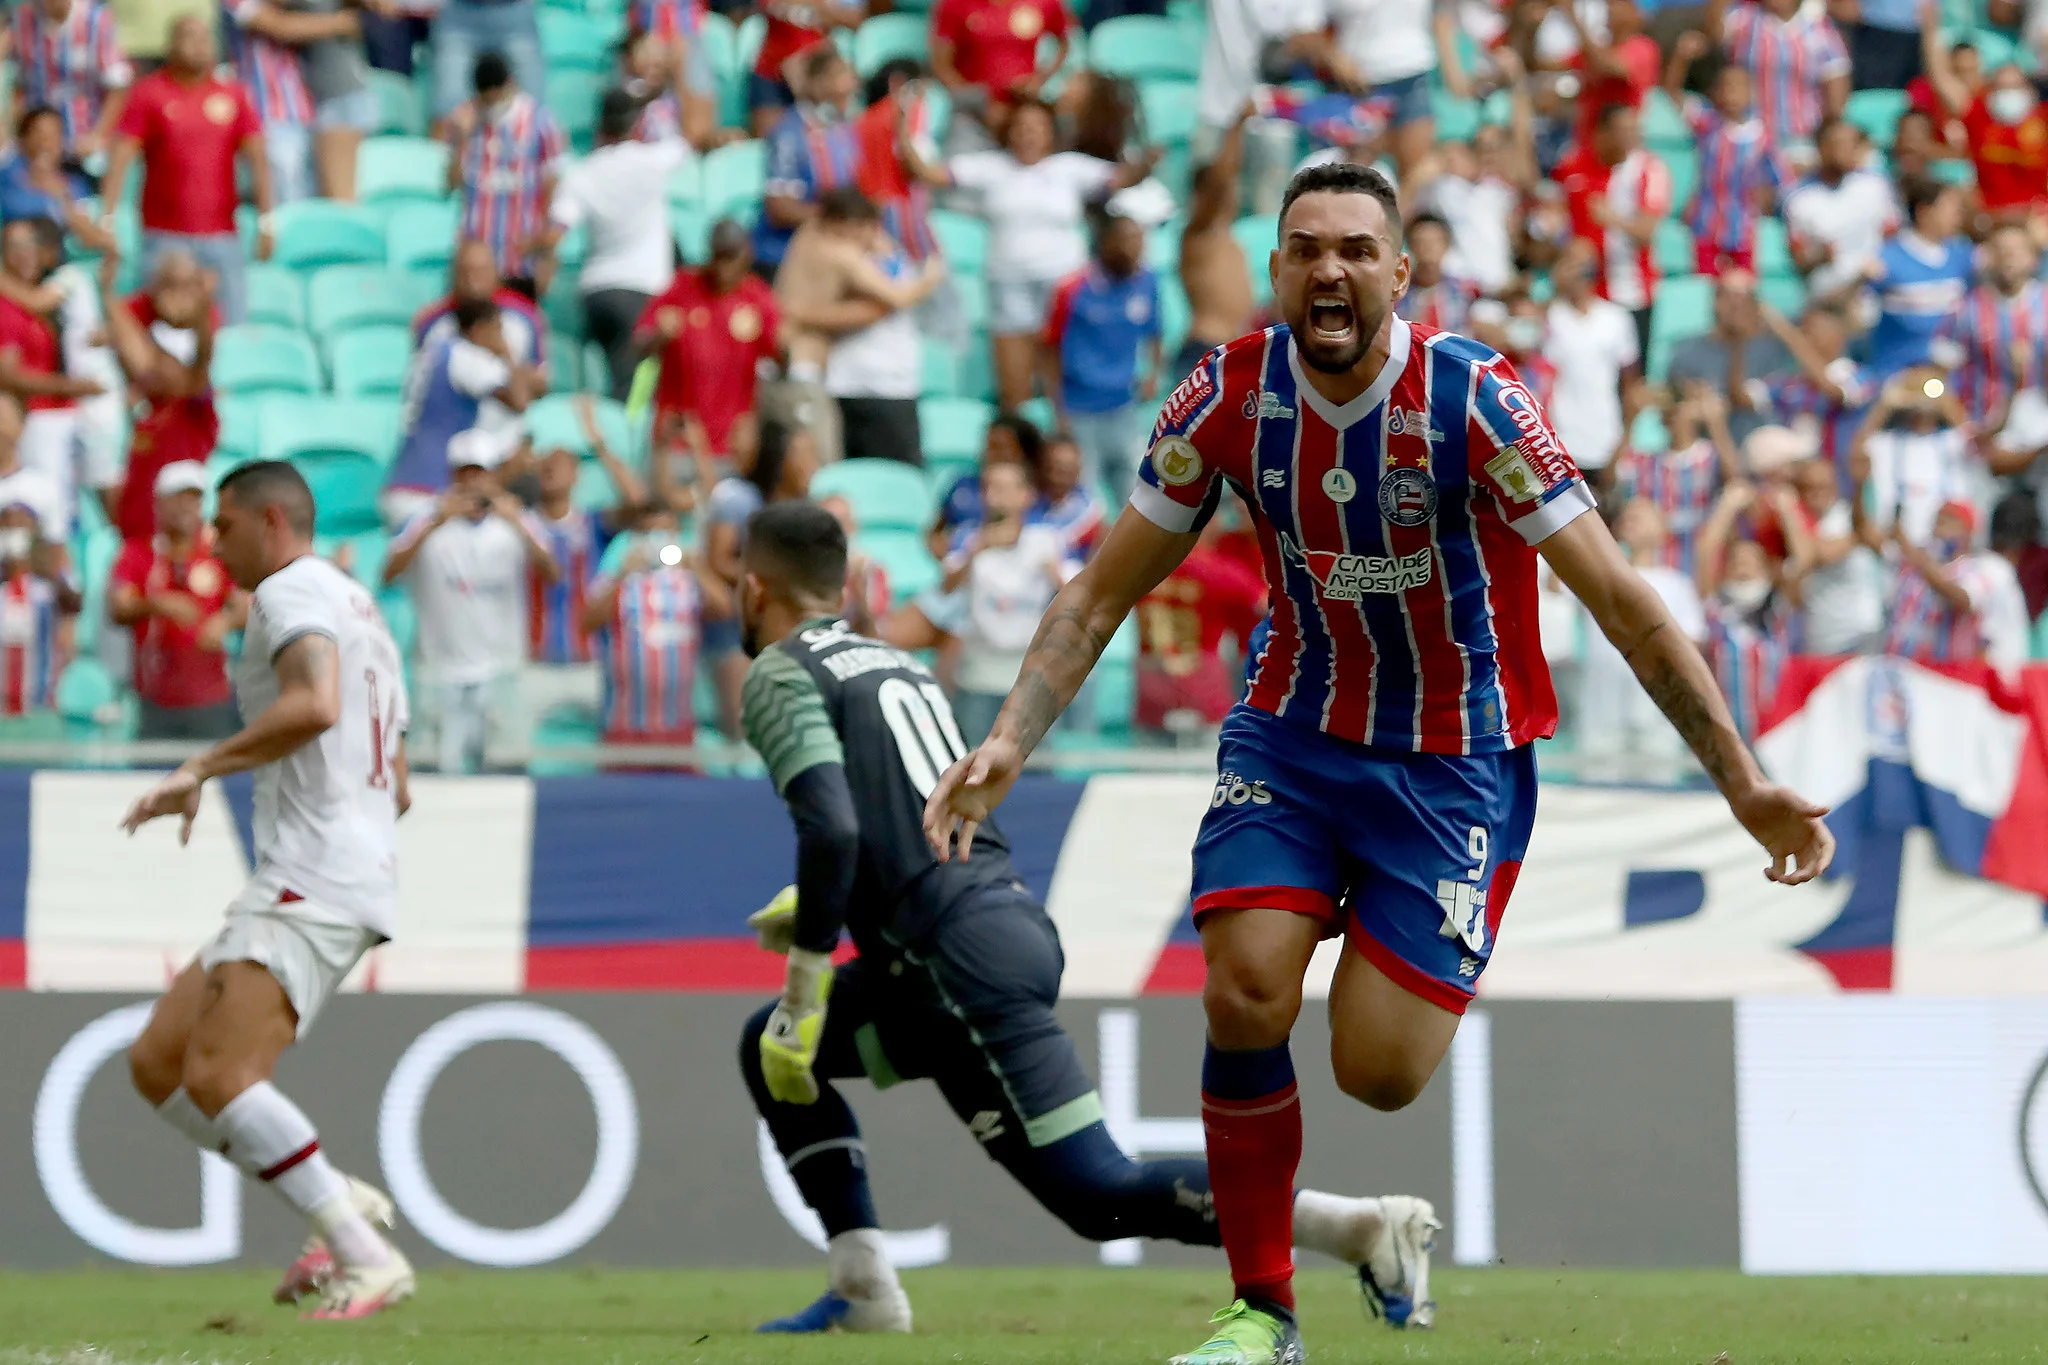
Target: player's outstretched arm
[(308, 704), (1077, 627), (1675, 675)]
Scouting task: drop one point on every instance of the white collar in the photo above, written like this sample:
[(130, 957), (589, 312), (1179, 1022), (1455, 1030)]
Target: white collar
[(1361, 406), (1922, 250)]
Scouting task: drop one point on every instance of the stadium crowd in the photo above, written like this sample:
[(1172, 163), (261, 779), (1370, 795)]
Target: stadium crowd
[(546, 324)]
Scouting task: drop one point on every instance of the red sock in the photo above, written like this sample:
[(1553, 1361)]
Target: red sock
[(1254, 1142)]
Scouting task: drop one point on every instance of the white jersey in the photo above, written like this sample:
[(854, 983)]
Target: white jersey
[(326, 814), (1239, 31)]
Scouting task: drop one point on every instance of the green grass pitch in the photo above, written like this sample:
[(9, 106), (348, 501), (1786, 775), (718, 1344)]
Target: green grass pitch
[(1024, 1317)]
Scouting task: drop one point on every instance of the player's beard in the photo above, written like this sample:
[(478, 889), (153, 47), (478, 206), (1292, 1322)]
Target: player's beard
[(1338, 357)]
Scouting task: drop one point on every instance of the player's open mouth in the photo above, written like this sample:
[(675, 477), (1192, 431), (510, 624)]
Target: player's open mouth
[(1329, 317)]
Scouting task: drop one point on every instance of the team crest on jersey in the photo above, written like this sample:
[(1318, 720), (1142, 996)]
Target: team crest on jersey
[(1176, 461), (1187, 398), (1409, 422), (1267, 406), (1407, 497), (1351, 578)]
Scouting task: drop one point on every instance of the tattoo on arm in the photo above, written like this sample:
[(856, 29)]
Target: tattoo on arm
[(1066, 645), (1699, 717)]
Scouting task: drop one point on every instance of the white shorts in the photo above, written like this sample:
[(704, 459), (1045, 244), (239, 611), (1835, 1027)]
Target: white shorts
[(309, 949), (1019, 306)]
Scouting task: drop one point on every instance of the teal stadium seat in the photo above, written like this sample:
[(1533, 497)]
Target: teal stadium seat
[(940, 371), (552, 422), (734, 178), (940, 474), (1684, 165), (570, 39), (572, 98), (240, 420), (421, 236), (1877, 113), (1683, 308), (1663, 127), (1258, 234), (973, 292), (686, 183), (1141, 46), (312, 233), (277, 297), (1675, 254), (904, 558), (86, 692), (1774, 250), (342, 446), (963, 238), (954, 428), (251, 359), (1456, 120), (886, 495), (692, 227), (399, 170), (1170, 110), (370, 362), (565, 364), (343, 298), (1786, 293), (1174, 317), (886, 37), (401, 105)]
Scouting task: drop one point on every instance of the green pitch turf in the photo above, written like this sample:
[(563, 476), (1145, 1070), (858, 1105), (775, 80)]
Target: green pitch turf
[(1027, 1317)]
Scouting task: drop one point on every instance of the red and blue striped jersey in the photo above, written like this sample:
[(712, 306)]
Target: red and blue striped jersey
[(665, 19), (1445, 305), (661, 120), (1787, 60), (1396, 531), (1798, 402), (1738, 165), (271, 73), (1997, 336), (1748, 651), (554, 611), (649, 649), (1683, 484), (1923, 627), (505, 163), (69, 66), (32, 644)]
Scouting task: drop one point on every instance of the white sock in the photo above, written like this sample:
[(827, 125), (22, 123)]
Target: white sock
[(185, 1116), (272, 1139), (1337, 1226), (859, 1266)]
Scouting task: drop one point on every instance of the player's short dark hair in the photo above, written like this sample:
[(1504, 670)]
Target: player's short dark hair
[(617, 112), (1429, 218), (1341, 177), (846, 204), (470, 312), (273, 483), (491, 72), (800, 545), (1917, 192)]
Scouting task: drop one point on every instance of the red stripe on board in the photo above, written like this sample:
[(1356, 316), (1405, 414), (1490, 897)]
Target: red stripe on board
[(698, 964), (13, 964), (1179, 970), (1857, 969), (273, 1172)]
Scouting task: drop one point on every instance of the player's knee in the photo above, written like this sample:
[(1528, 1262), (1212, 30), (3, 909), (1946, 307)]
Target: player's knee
[(156, 1065), (1248, 1007), (213, 1079), (1379, 1083)]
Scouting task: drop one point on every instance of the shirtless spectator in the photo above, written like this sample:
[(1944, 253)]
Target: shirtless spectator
[(1213, 271), (845, 293)]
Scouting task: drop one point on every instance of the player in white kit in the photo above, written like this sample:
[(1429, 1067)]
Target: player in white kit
[(323, 726)]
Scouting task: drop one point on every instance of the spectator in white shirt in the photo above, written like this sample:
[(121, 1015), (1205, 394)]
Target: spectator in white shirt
[(1954, 603), (620, 194), (1035, 198), (465, 560), (1839, 584), (1839, 216), (1480, 195), (1592, 344), (1004, 574), (1917, 451), (1623, 734)]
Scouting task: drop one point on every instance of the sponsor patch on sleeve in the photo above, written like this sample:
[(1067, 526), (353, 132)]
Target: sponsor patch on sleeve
[(1187, 399), (1514, 473), (1176, 461)]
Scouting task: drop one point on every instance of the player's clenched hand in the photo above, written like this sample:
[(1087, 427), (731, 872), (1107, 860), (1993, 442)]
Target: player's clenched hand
[(967, 792), (177, 794), (774, 924), (1790, 827), (789, 1045)]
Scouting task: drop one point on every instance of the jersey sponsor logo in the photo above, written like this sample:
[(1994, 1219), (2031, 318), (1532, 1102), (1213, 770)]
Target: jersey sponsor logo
[(1274, 478), (1538, 446), (1409, 422), (853, 663), (1176, 461), (1407, 497), (1349, 578), (1464, 907), (1187, 397), (1232, 790), (1511, 470), (1340, 486), (1272, 409)]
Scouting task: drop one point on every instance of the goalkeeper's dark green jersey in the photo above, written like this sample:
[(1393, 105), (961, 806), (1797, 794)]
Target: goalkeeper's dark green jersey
[(827, 695)]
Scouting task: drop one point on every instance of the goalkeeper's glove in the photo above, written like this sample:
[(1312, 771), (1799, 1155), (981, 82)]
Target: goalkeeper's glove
[(789, 1045), (774, 924)]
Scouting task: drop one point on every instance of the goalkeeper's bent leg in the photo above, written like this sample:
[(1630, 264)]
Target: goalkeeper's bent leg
[(819, 1142), (1087, 1182)]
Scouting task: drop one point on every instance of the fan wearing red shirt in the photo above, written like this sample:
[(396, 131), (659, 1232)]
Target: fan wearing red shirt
[(188, 127), (711, 330), (2008, 134), (1622, 70), (985, 51), (32, 368), (163, 338), (182, 606), (794, 28), (1181, 625)]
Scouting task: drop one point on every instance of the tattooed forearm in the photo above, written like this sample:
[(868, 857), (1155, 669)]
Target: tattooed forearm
[(1067, 645), (1701, 719)]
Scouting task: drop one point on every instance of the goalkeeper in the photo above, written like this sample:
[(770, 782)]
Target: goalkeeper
[(957, 971)]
